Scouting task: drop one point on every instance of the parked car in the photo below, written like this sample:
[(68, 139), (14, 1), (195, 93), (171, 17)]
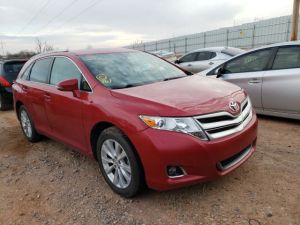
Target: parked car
[(270, 75), (202, 59), (9, 70), (170, 56), (142, 118)]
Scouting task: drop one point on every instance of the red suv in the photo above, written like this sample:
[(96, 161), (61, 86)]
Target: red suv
[(143, 119)]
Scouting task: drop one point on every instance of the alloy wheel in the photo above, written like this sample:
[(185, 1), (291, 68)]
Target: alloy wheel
[(26, 124), (116, 163)]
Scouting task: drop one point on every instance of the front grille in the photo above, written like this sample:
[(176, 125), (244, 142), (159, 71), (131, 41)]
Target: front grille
[(221, 124), (233, 160)]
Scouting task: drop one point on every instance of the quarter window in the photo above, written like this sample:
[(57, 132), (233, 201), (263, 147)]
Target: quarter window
[(40, 70), (256, 61), (286, 58)]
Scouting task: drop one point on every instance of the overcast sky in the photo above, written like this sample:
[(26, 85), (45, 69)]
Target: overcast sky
[(76, 24)]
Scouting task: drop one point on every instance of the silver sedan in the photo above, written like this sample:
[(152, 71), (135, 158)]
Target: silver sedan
[(270, 75), (202, 59)]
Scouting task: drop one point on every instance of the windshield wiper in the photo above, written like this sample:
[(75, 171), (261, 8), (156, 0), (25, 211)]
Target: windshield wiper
[(173, 78)]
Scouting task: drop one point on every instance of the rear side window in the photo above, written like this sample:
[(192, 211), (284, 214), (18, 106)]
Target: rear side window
[(287, 58), (256, 61), (189, 58), (64, 69), (40, 70), (202, 56)]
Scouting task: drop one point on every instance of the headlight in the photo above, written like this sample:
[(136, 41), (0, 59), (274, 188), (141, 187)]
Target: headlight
[(181, 124)]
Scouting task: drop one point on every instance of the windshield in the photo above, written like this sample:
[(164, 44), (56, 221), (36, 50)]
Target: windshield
[(129, 69), (232, 51)]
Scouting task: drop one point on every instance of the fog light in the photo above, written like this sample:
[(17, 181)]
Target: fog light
[(175, 171)]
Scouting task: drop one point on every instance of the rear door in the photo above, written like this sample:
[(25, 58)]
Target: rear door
[(34, 91), (281, 84), (64, 110), (247, 71)]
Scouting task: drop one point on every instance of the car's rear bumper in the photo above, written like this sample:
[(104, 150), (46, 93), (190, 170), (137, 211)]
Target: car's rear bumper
[(200, 159)]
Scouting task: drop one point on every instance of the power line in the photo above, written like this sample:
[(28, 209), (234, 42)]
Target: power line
[(58, 14), (34, 17), (80, 13)]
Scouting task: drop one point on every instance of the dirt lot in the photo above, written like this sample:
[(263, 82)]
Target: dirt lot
[(48, 183)]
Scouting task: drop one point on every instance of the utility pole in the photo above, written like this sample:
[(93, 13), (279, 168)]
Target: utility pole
[(295, 20)]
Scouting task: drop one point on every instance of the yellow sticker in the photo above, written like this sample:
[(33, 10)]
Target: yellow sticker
[(103, 79)]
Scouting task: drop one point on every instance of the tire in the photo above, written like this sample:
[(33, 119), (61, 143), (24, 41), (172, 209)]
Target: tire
[(5, 102), (27, 126), (121, 167)]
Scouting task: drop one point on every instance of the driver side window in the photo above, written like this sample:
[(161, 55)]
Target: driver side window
[(64, 69), (256, 61)]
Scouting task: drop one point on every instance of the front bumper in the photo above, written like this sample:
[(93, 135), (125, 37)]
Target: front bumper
[(201, 160)]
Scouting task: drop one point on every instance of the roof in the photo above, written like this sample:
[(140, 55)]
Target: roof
[(278, 44), (84, 52), (214, 49)]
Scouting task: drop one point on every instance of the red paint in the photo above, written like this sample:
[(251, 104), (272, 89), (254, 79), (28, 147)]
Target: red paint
[(70, 118)]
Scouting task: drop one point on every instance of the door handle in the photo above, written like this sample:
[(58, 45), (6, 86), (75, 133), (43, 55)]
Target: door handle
[(25, 89), (47, 97), (254, 81)]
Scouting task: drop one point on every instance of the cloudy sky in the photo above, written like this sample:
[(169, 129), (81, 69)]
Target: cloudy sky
[(76, 24)]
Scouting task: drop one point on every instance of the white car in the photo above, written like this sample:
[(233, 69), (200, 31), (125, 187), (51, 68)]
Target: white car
[(205, 58), (269, 74), (170, 56)]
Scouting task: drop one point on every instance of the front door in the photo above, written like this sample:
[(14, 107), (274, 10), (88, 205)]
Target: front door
[(64, 110), (247, 72)]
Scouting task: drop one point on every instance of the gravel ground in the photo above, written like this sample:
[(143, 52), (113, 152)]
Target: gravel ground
[(48, 183)]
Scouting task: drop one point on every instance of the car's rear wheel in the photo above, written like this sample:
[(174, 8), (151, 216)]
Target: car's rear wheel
[(119, 163), (27, 126), (5, 102)]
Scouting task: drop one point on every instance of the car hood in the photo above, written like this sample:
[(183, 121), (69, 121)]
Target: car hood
[(192, 95)]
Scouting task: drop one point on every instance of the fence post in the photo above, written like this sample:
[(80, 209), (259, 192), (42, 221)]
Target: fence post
[(253, 36), (185, 45), (144, 47), (227, 37), (288, 29), (156, 45), (170, 48), (204, 44)]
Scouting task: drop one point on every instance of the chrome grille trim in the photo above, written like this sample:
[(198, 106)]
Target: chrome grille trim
[(236, 124)]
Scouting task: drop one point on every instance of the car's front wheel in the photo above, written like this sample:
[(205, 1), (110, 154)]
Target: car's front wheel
[(27, 126), (119, 163)]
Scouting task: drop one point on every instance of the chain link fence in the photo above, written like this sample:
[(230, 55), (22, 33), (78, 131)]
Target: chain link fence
[(245, 36)]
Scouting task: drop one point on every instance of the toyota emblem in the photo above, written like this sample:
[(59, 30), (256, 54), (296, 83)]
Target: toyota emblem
[(234, 106)]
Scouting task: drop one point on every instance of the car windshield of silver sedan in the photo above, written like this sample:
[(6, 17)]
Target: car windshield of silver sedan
[(130, 69)]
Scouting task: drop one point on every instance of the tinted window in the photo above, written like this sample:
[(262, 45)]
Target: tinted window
[(252, 62), (64, 69), (287, 57), (123, 70), (189, 58), (40, 70), (205, 56)]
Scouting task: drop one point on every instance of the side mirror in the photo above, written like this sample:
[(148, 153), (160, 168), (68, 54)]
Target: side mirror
[(68, 85), (220, 72)]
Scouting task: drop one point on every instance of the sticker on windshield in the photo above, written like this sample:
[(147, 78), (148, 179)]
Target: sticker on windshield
[(103, 79)]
